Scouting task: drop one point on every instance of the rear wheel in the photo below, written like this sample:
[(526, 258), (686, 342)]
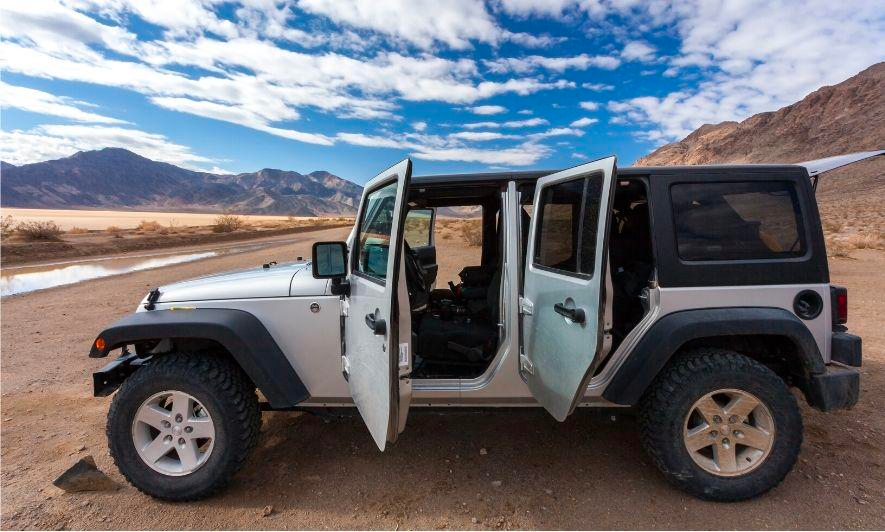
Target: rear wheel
[(181, 426), (721, 426)]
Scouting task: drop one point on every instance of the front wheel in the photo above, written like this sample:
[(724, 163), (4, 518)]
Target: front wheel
[(181, 426), (721, 426)]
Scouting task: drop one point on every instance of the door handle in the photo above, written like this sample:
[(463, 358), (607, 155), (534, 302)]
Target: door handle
[(378, 325), (575, 314)]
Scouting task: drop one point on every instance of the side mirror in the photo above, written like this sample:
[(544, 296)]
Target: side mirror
[(329, 260)]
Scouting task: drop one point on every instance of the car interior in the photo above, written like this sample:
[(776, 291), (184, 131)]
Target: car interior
[(454, 328)]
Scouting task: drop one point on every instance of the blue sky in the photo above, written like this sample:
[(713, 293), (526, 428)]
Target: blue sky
[(351, 86)]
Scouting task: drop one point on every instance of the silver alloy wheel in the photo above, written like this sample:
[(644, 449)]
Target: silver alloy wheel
[(729, 432), (173, 433)]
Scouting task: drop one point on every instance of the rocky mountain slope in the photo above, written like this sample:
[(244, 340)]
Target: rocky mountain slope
[(832, 120), (114, 178)]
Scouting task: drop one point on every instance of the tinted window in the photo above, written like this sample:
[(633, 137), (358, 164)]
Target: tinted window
[(373, 242), (566, 236), (737, 221)]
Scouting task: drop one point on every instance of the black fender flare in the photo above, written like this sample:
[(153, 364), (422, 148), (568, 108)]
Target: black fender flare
[(240, 332), (672, 331)]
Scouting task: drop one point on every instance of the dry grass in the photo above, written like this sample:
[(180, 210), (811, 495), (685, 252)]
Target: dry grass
[(115, 231), (38, 230), (7, 225), (471, 232), (228, 223), (77, 231)]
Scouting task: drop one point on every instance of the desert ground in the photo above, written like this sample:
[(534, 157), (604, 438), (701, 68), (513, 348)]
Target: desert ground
[(45, 235), (99, 219), (507, 469)]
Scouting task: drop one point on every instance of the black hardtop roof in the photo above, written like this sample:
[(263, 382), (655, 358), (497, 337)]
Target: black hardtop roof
[(629, 171)]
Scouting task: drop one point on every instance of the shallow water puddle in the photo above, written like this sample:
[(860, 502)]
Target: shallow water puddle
[(28, 279)]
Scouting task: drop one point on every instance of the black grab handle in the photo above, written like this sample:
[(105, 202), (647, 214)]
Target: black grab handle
[(575, 314), (377, 325)]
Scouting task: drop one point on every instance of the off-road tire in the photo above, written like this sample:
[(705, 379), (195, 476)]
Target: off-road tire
[(226, 393), (689, 377)]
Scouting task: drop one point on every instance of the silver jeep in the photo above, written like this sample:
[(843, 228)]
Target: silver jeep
[(696, 296)]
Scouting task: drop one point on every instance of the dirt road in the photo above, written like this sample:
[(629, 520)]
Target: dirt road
[(326, 473)]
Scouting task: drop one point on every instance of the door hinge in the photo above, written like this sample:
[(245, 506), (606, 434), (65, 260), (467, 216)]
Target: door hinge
[(345, 367), (525, 364), (345, 306), (525, 306)]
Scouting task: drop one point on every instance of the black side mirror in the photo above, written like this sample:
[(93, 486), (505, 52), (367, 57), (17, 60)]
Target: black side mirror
[(329, 260)]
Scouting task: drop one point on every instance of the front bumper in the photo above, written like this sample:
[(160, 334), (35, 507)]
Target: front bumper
[(106, 380)]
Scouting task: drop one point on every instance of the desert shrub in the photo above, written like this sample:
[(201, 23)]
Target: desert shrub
[(47, 230), (149, 226), (115, 231), (77, 231), (7, 225), (833, 226), (471, 232), (865, 241), (227, 223)]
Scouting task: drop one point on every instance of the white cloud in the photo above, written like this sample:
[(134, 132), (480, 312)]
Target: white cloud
[(510, 124), (434, 148), (43, 103), (534, 41), (419, 126), (525, 112), (578, 155), (548, 8), (584, 122), (481, 135), (589, 106), (520, 155), (422, 23), (54, 141), (638, 51), (558, 132), (597, 87), (531, 63), (488, 110), (756, 56)]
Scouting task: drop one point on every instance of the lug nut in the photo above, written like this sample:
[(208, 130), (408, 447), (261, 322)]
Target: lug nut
[(188, 429), (725, 442), (167, 439), (733, 419), (714, 433), (181, 441), (178, 418), (166, 424), (717, 419), (738, 433)]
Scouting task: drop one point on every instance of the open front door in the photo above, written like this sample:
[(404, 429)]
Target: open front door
[(563, 329), (377, 326)]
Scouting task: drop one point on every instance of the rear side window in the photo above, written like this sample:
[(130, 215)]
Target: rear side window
[(567, 225), (737, 221)]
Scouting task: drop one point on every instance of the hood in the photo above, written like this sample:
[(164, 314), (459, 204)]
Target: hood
[(277, 280)]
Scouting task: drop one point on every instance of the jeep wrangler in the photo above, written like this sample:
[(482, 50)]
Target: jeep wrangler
[(697, 295)]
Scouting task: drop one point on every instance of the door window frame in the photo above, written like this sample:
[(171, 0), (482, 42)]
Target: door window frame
[(578, 247), (354, 258)]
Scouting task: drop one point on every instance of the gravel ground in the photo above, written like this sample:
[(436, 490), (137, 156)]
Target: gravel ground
[(465, 470)]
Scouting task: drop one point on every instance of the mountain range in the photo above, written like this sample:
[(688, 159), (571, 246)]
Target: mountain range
[(833, 120), (115, 178)]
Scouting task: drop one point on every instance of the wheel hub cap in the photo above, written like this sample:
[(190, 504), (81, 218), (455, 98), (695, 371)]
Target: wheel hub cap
[(173, 433), (728, 432)]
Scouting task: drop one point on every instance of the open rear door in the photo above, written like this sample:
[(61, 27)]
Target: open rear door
[(563, 327), (377, 327)]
